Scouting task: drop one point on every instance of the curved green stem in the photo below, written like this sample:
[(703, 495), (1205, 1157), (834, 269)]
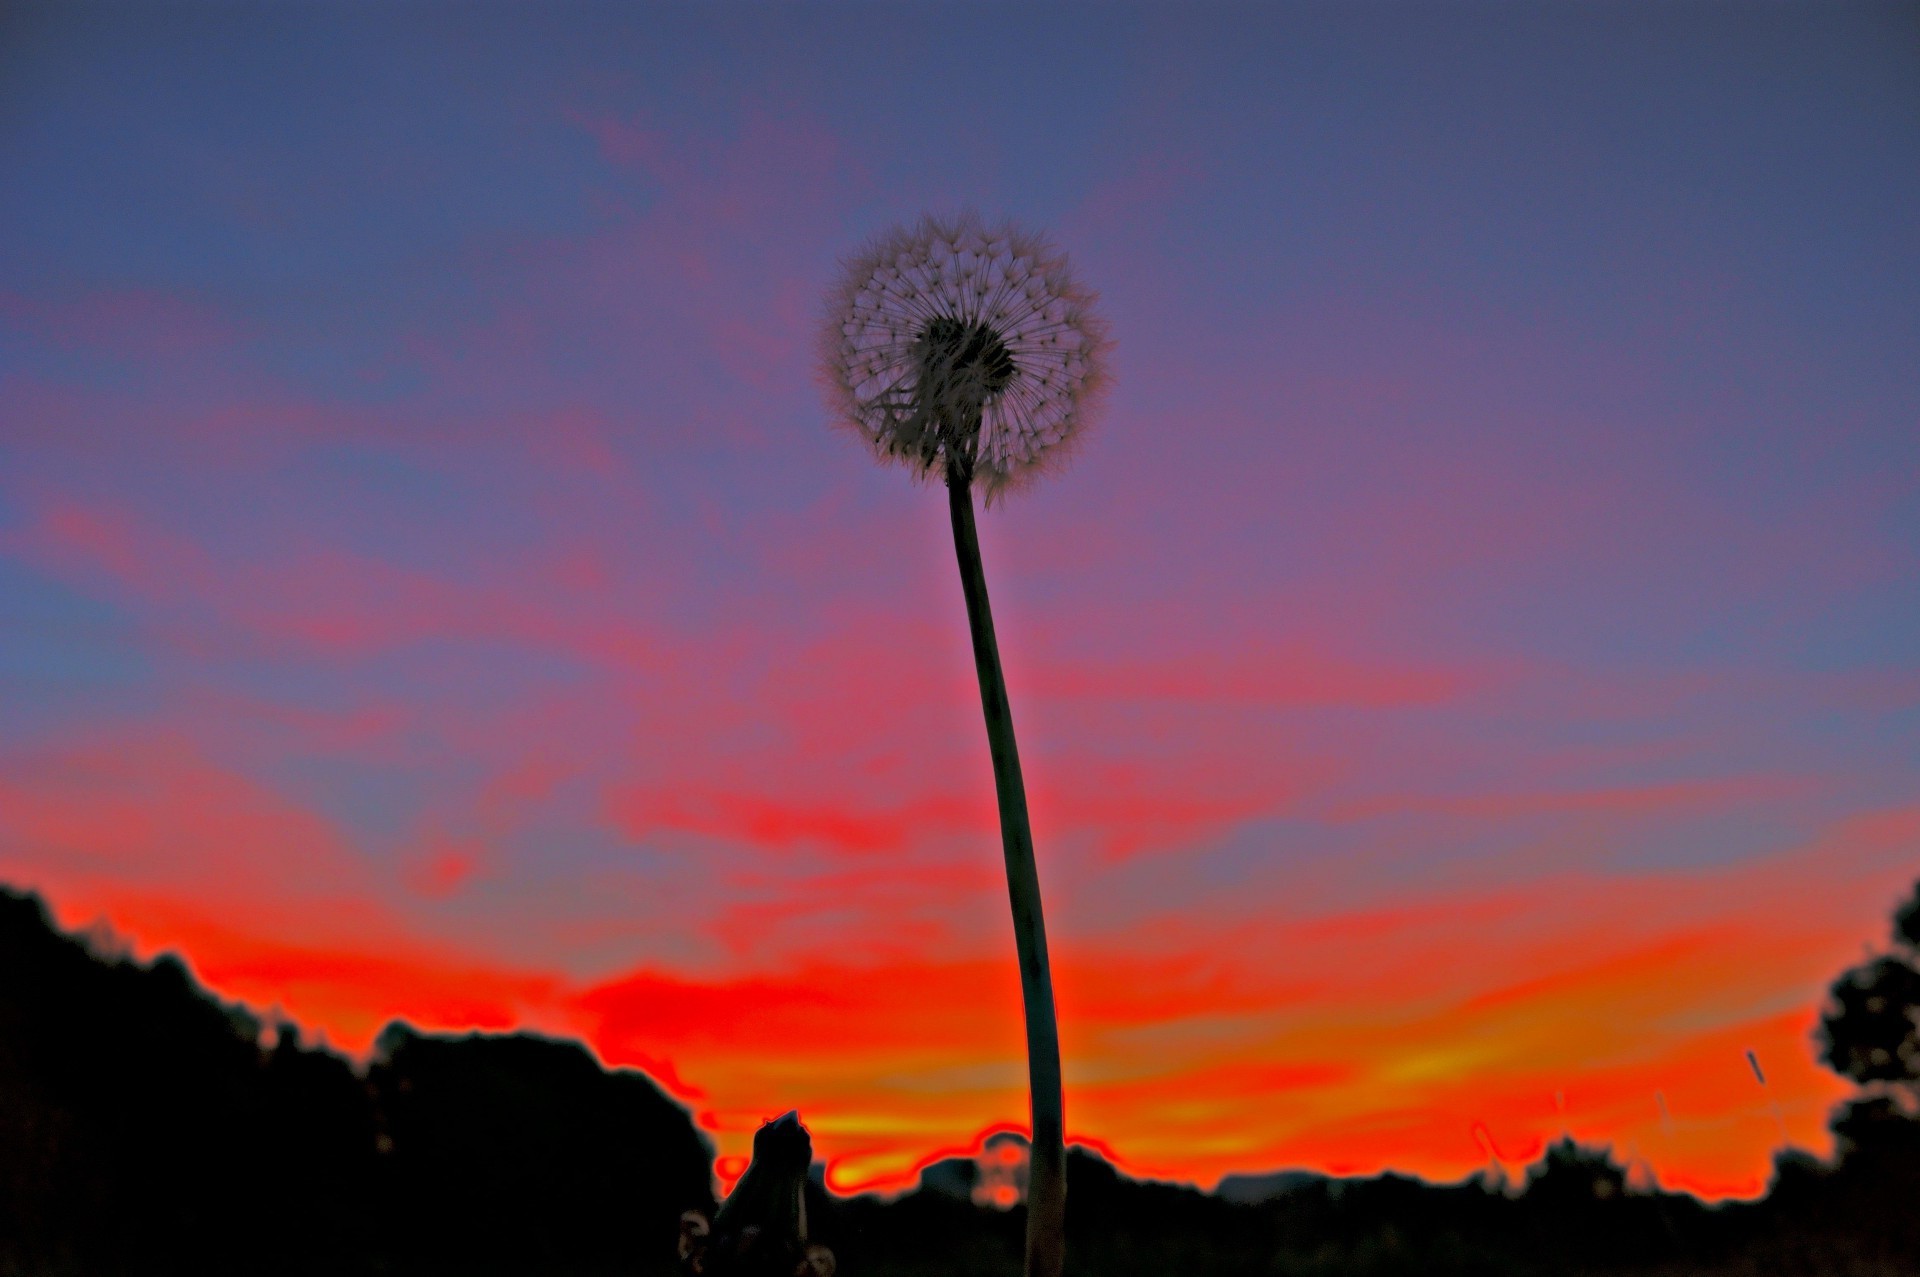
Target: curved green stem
[(1047, 1183)]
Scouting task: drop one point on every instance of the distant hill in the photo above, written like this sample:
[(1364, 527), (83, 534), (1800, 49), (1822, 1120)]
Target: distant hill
[(1248, 1188)]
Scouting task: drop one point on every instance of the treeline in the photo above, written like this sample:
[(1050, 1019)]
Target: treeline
[(145, 1128), (1860, 1218)]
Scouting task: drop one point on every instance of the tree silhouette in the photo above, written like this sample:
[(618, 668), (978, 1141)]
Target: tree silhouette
[(969, 354), (146, 1127), (1870, 1030), (517, 1153)]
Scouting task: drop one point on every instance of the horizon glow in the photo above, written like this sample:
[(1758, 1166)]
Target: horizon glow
[(1468, 681)]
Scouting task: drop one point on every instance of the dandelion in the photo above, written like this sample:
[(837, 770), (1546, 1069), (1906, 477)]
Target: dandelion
[(969, 354), (964, 351)]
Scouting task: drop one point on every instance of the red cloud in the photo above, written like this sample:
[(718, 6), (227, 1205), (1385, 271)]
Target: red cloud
[(772, 825), (444, 869)]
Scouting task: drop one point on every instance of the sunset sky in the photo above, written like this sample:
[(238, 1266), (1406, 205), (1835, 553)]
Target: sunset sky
[(1469, 680)]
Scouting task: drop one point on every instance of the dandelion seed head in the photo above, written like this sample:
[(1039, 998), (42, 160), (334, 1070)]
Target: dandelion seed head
[(964, 351)]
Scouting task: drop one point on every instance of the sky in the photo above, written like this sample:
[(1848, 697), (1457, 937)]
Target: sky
[(1468, 678)]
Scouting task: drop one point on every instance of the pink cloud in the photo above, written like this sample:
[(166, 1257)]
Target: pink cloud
[(325, 601), (108, 542), (1629, 801), (1294, 677), (136, 323)]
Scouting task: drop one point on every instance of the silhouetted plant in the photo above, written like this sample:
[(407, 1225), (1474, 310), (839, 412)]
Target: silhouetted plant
[(762, 1230), (1870, 1031), (969, 354)]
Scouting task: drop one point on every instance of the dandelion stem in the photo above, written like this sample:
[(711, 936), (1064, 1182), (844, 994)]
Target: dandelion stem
[(1046, 1184)]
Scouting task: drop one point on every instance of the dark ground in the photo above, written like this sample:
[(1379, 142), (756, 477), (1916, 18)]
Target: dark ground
[(146, 1129)]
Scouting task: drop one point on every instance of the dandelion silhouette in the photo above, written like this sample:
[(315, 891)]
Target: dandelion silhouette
[(964, 351), (968, 353)]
